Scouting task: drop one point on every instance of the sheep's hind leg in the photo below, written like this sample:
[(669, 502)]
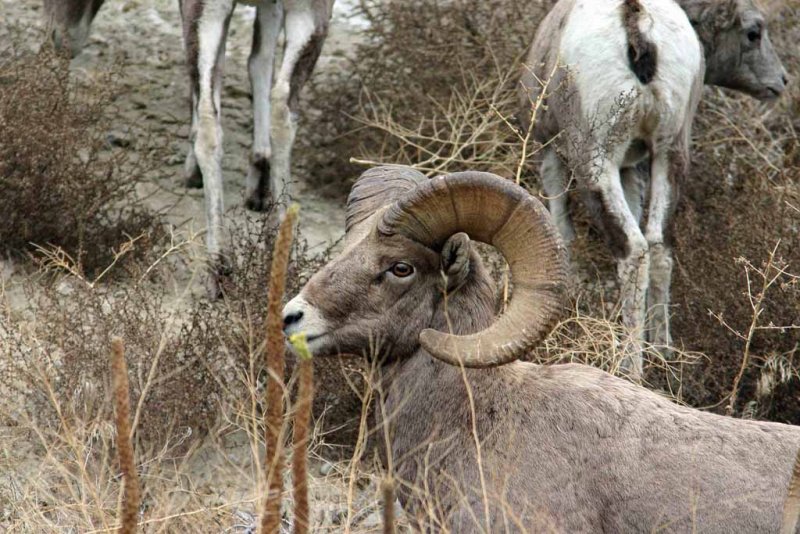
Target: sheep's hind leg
[(660, 254), (260, 66), (305, 35), (633, 183), (626, 240), (554, 183), (205, 33)]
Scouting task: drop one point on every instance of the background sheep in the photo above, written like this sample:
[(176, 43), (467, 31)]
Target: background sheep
[(516, 446), (623, 86)]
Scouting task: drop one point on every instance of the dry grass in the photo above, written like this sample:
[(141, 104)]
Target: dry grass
[(196, 418)]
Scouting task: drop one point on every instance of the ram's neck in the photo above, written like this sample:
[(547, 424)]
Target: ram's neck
[(423, 395), (466, 311)]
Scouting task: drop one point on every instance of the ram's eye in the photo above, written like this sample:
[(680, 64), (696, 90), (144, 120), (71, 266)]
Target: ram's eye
[(754, 35), (401, 269)]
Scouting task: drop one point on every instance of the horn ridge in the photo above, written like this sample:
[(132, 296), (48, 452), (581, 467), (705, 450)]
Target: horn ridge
[(378, 187)]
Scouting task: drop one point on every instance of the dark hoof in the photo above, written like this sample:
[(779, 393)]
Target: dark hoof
[(219, 276), (195, 179), (258, 204), (258, 198)]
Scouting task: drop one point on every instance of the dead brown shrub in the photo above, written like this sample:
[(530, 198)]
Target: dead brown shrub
[(432, 91), (186, 359), (64, 184)]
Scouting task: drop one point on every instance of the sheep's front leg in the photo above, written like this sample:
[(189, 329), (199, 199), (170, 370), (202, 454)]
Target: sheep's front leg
[(554, 182), (305, 32), (628, 243), (262, 57), (660, 206), (205, 30)]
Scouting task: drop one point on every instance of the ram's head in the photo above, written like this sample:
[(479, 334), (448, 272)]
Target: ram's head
[(408, 277)]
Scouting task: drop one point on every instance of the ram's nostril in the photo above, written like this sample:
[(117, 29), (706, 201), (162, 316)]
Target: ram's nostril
[(292, 318)]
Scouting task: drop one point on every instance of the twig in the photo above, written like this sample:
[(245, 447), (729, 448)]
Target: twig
[(535, 105), (758, 307)]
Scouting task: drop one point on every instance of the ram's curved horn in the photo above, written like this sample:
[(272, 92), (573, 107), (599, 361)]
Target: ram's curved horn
[(504, 215)]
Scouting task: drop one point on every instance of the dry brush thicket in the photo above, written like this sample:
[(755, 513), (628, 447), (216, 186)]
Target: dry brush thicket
[(65, 185), (736, 292), (439, 92)]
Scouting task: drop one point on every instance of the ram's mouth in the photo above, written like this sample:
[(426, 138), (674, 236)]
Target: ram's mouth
[(312, 342), (769, 94)]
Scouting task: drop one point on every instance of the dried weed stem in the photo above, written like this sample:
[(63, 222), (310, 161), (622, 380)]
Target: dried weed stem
[(387, 493), (122, 409), (773, 271), (302, 418), (276, 367)]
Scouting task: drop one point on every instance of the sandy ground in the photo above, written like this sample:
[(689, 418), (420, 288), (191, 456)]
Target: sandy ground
[(144, 36)]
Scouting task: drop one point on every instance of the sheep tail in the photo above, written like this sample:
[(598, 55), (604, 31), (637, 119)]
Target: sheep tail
[(642, 53)]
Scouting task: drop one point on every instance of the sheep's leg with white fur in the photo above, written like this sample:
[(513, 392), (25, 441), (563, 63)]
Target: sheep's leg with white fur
[(305, 26), (659, 212), (266, 29), (205, 30), (190, 10), (633, 184), (554, 182), (621, 228), (191, 169)]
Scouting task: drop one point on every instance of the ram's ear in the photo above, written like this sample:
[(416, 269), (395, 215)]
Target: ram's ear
[(455, 260)]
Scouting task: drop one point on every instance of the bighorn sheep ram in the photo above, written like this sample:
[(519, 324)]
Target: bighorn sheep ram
[(626, 80), (205, 29), (567, 448)]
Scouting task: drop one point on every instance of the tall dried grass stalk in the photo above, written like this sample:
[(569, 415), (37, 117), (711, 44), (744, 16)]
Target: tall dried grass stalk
[(387, 493), (302, 418), (122, 408), (276, 368), (791, 507)]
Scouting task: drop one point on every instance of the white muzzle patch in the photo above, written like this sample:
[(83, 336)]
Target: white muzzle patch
[(300, 316)]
